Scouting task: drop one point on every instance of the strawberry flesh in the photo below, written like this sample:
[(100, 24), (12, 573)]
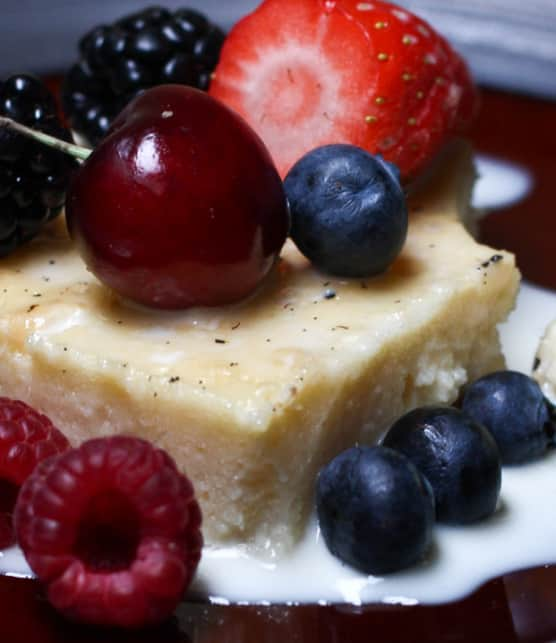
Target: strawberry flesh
[(306, 73)]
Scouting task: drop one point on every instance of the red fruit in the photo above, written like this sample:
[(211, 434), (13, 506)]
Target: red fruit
[(26, 438), (305, 73), (113, 530), (180, 205)]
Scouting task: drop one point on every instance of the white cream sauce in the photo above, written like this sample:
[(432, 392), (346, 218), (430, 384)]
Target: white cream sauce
[(522, 533)]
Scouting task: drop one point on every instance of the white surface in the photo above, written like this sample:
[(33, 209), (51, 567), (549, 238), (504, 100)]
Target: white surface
[(42, 35), (508, 43), (499, 183)]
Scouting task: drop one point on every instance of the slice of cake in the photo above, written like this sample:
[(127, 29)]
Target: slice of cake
[(251, 400), (544, 370)]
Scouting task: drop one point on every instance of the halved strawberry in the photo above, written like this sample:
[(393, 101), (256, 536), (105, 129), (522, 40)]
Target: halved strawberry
[(306, 73)]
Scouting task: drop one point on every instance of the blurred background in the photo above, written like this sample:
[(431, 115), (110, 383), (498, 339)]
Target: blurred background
[(510, 44)]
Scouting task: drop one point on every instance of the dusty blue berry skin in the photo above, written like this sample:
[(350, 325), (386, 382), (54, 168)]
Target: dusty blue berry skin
[(375, 510), (458, 457), (513, 408), (348, 210)]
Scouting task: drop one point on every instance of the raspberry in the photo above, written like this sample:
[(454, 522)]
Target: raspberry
[(113, 531), (26, 438)]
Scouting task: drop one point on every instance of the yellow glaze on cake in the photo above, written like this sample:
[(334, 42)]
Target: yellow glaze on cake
[(252, 400)]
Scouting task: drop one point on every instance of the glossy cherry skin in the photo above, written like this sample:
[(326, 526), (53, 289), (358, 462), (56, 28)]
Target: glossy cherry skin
[(180, 205)]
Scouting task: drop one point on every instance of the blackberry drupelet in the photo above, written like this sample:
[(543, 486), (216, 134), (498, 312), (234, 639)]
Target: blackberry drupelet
[(119, 61), (33, 177)]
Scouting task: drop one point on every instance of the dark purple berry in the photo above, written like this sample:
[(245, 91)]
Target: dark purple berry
[(348, 210), (375, 510), (513, 408), (151, 47), (33, 177), (458, 457)]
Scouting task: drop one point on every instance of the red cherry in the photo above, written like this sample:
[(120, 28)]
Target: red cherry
[(180, 205)]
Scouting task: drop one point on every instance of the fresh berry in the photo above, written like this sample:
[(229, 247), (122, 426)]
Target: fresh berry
[(26, 438), (344, 71), (348, 210), (33, 178), (375, 510), (457, 456), (513, 408), (113, 531), (118, 61), (192, 209)]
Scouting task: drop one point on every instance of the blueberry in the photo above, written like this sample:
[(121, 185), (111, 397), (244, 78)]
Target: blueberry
[(458, 457), (349, 215), (375, 510), (513, 408)]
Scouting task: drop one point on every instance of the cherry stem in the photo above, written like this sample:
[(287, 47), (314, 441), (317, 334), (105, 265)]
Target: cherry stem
[(77, 151)]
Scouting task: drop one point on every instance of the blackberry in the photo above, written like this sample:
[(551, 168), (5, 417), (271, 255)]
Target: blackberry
[(33, 177), (119, 61), (348, 210)]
